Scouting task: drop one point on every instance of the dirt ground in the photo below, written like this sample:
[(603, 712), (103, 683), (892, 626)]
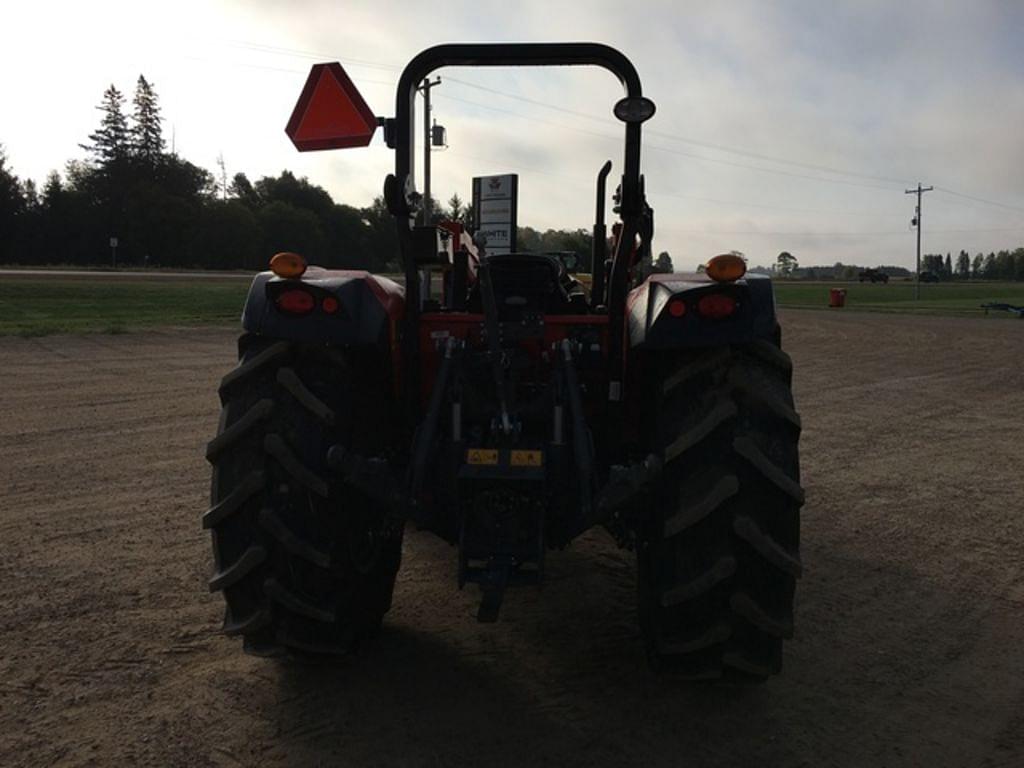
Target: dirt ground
[(910, 632)]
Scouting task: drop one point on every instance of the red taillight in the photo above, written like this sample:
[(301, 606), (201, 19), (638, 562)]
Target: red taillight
[(329, 305), (677, 307), (716, 306), (296, 302)]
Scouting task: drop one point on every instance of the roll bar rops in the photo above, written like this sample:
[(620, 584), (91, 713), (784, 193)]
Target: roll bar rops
[(511, 55), (400, 190)]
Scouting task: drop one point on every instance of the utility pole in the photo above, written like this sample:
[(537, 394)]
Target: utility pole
[(424, 88), (917, 223)]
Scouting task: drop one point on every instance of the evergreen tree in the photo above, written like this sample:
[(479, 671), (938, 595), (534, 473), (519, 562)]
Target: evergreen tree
[(963, 265), (10, 189), (456, 210), (12, 205), (30, 193), (29, 230), (460, 211), (989, 270), (976, 265), (147, 140), (110, 142), (948, 268), (1004, 266), (53, 188)]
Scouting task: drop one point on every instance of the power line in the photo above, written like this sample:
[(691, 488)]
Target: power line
[(685, 140), (678, 152), (979, 199), (280, 50), (289, 70), (606, 121), (658, 148), (648, 145), (719, 147), (284, 51), (769, 206), (776, 233), (208, 60), (654, 192), (662, 227), (755, 155), (879, 233)]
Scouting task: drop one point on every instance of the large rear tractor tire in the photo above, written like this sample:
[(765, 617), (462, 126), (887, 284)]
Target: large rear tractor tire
[(306, 565), (720, 554)]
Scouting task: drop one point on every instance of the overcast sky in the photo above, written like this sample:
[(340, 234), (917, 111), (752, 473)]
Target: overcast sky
[(780, 126)]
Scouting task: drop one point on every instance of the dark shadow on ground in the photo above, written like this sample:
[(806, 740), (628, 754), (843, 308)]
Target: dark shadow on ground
[(563, 682)]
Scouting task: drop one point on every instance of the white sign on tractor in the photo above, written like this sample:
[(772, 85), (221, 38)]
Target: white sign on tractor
[(495, 201)]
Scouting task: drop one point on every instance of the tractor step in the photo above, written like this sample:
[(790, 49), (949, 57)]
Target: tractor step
[(374, 477), (616, 504)]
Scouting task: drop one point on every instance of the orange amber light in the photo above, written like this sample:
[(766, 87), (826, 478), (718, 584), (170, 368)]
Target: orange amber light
[(288, 264), (726, 268)]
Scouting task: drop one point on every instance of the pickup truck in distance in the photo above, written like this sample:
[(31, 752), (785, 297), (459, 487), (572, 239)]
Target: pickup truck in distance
[(874, 275)]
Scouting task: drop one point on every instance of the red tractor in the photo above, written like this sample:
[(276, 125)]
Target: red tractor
[(497, 402)]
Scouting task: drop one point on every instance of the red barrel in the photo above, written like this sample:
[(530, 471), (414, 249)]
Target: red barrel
[(837, 297)]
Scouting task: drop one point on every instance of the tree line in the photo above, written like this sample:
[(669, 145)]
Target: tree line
[(164, 211), (1003, 265)]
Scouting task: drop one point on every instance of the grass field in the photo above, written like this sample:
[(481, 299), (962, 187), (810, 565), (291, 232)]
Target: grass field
[(35, 306), (936, 298), (39, 306)]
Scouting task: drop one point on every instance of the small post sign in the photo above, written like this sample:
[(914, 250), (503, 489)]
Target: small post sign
[(495, 206), (113, 252)]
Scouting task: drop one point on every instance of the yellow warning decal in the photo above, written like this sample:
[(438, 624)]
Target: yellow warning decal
[(527, 459), (481, 456)]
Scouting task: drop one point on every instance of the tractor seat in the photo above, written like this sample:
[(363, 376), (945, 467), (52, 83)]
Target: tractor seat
[(524, 282)]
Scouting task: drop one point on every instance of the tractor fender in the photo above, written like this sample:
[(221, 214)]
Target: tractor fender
[(368, 309), (653, 325)]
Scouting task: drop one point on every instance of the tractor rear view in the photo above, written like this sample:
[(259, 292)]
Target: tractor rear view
[(496, 401)]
